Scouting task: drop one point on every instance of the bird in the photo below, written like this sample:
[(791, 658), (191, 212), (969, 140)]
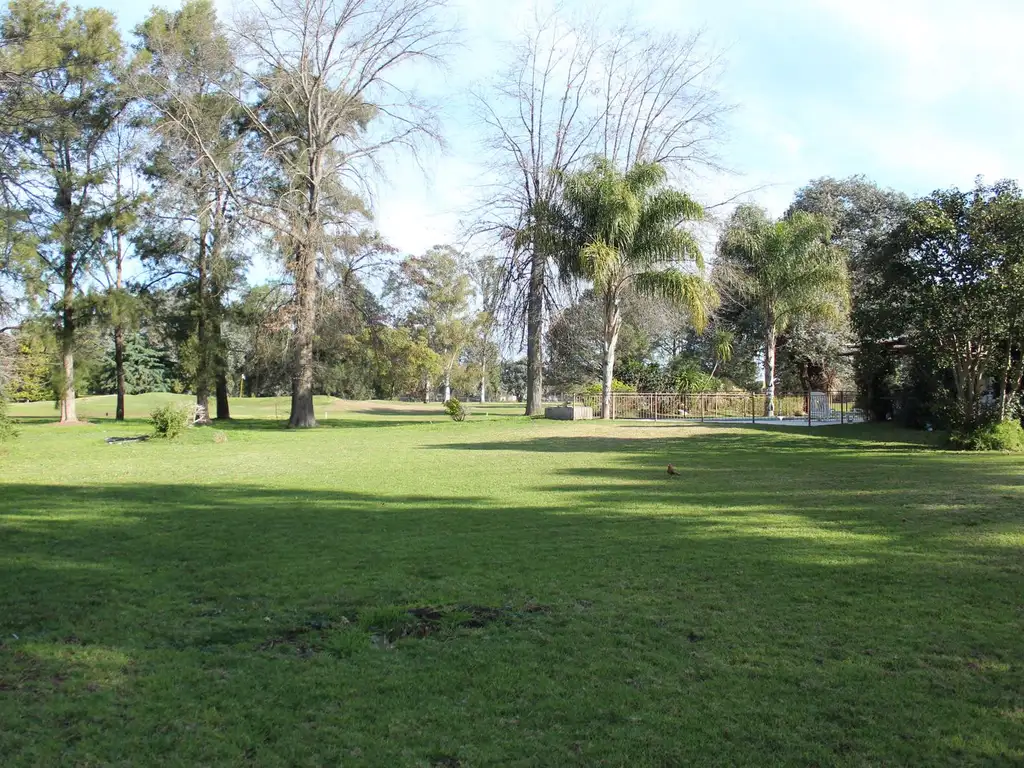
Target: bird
[(672, 470)]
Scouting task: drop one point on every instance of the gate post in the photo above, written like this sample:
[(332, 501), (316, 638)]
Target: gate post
[(808, 407)]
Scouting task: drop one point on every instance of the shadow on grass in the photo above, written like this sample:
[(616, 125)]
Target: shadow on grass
[(784, 606), (725, 439)]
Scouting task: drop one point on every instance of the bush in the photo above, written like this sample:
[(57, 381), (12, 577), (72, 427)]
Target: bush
[(617, 386), (995, 436), (7, 430), (456, 410), (170, 420)]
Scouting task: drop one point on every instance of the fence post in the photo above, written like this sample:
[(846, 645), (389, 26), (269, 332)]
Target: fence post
[(753, 408), (613, 404), (700, 398), (808, 407), (842, 407), (654, 399)]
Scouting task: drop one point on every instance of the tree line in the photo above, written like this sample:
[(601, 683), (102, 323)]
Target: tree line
[(140, 175)]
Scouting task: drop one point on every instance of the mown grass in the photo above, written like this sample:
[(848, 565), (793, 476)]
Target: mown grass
[(838, 596)]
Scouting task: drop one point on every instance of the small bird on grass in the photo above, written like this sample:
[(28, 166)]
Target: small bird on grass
[(672, 470)]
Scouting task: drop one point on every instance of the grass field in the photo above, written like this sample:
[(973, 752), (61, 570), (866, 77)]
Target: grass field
[(396, 589)]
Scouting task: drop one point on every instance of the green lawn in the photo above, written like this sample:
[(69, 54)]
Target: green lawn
[(835, 597)]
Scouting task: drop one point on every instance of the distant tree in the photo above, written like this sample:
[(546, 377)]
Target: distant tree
[(485, 279), (575, 338), (400, 362), (783, 270), (858, 210), (622, 231), (139, 368), (432, 294), (816, 353), (513, 378)]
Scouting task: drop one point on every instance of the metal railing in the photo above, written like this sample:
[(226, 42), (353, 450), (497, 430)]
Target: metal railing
[(809, 407)]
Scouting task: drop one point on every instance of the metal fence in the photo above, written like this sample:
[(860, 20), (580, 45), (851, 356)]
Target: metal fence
[(807, 407)]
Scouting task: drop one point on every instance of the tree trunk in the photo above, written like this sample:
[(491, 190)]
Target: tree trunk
[(426, 390), (223, 405), (447, 386), (535, 335), (119, 370), (483, 383), (611, 339), (302, 415), (221, 367), (203, 372), (68, 410), (771, 338)]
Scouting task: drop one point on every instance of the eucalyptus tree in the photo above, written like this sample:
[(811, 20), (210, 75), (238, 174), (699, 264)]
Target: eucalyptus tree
[(323, 96), (75, 65), (538, 124), (623, 231), (188, 79), (782, 270)]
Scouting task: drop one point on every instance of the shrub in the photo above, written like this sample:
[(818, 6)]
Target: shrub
[(7, 430), (170, 420), (456, 410), (617, 386), (993, 436)]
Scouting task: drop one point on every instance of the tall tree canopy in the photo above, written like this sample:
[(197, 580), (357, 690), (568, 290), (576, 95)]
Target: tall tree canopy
[(75, 62), (948, 286)]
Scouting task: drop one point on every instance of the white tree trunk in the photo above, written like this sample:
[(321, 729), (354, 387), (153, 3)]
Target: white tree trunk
[(769, 371), (611, 339), (447, 386), (483, 383)]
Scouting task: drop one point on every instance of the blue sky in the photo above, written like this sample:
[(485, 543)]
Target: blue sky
[(915, 94)]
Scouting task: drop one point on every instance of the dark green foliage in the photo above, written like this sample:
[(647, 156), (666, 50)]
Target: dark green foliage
[(940, 315), (513, 378), (146, 369), (170, 420), (456, 409), (995, 436)]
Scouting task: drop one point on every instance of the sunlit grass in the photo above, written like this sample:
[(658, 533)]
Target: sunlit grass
[(840, 596)]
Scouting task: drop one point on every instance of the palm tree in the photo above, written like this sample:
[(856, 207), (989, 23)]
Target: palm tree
[(722, 347), (783, 270), (622, 231)]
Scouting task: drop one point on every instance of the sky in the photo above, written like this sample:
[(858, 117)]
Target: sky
[(914, 94)]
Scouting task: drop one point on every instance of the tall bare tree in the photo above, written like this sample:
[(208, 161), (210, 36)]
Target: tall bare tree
[(659, 99), (539, 124), (569, 92), (324, 100)]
